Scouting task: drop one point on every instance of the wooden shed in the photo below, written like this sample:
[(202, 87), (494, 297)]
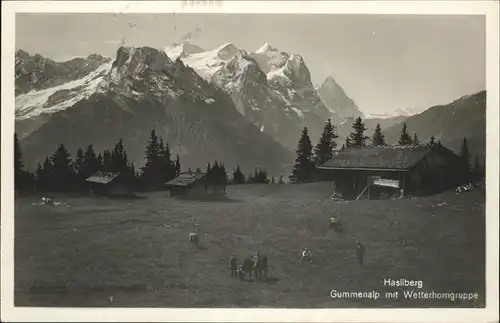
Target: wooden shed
[(194, 185), (389, 171), (109, 184)]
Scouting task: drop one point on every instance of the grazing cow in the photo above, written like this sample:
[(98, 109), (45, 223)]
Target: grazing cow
[(241, 273), (257, 265), (264, 266), (335, 225), (247, 267), (47, 201), (306, 255), (193, 238), (233, 264)]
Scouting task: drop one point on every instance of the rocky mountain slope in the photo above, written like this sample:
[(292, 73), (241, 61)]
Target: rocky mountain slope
[(271, 88), (126, 98)]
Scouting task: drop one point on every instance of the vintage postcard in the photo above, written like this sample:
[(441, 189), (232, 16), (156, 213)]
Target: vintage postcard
[(311, 161)]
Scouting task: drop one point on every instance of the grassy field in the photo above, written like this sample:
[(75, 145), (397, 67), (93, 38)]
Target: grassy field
[(138, 251)]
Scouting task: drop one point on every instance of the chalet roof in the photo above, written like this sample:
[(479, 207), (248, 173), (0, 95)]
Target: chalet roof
[(385, 157), (102, 177), (185, 179)]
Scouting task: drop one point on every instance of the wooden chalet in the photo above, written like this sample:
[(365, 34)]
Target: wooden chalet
[(109, 184), (392, 171), (194, 185)]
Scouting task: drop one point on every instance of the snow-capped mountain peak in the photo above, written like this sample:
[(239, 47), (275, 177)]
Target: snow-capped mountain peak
[(398, 112), (182, 50), (266, 48), (205, 63)]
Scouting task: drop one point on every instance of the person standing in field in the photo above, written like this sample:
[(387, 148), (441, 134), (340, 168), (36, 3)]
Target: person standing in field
[(233, 263), (360, 253)]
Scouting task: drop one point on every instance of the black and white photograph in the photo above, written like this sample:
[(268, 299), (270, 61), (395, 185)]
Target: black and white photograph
[(192, 157)]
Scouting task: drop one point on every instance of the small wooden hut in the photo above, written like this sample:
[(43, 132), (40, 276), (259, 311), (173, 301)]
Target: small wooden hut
[(109, 185), (194, 185), (378, 172)]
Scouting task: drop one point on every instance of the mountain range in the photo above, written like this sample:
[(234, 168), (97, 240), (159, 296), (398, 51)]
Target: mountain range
[(450, 123), (229, 104)]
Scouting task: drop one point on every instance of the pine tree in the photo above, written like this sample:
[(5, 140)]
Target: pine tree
[(106, 161), (99, 162), (20, 175), (39, 178), (222, 175), (90, 164), (79, 168), (177, 166), (357, 137), (170, 166), (119, 160), (238, 177), (304, 166), (79, 162), (378, 138), (62, 169), (151, 171), (465, 155), (18, 160), (323, 151), (415, 141), (404, 138), (347, 143), (44, 176), (432, 142)]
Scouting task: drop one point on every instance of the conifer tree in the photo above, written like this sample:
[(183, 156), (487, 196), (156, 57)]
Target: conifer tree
[(347, 143), (79, 162), (465, 155), (151, 171), (99, 162), (62, 170), (378, 138), (415, 141), (90, 164), (238, 177), (18, 162), (304, 166), (22, 178), (170, 166), (404, 138), (79, 168), (323, 151), (432, 142), (177, 166), (357, 138), (106, 161)]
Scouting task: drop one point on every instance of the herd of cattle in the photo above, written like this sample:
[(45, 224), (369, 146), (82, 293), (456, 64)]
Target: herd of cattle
[(258, 264)]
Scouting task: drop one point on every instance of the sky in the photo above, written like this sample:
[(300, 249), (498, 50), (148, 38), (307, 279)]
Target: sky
[(383, 62)]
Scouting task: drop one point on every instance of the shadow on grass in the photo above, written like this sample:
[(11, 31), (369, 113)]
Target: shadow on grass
[(224, 199), (268, 280)]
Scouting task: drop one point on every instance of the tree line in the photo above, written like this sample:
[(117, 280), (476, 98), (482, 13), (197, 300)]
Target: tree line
[(61, 173), (309, 157)]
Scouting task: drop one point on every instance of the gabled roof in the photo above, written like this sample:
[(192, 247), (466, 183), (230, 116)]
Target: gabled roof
[(383, 157), (102, 177), (185, 179)]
